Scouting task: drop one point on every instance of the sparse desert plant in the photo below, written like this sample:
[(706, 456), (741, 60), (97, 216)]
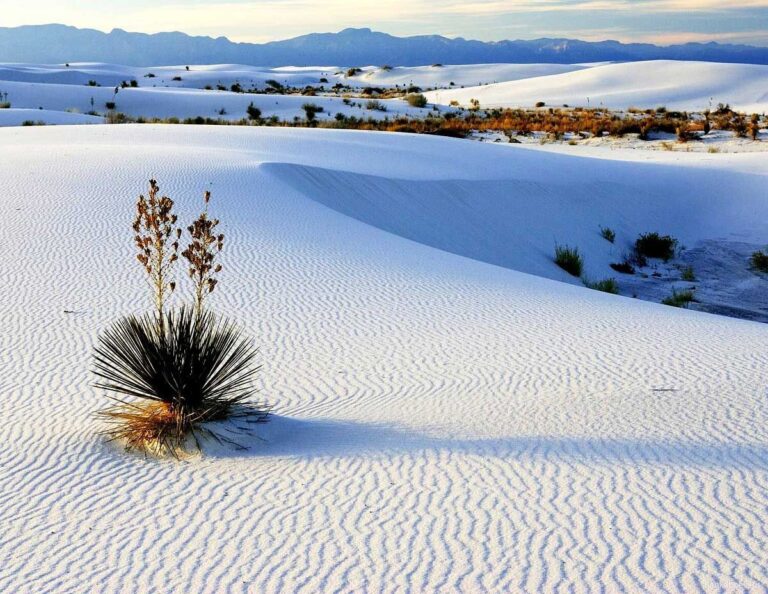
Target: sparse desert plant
[(170, 372), (624, 267), (375, 105), (5, 105), (157, 240), (759, 261), (197, 370), (254, 113), (540, 104), (608, 234), (311, 110), (679, 298), (569, 259), (607, 285), (653, 245), (754, 126), (687, 274), (416, 100), (201, 255), (110, 105)]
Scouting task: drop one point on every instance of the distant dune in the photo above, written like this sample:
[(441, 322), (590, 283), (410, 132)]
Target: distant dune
[(676, 85)]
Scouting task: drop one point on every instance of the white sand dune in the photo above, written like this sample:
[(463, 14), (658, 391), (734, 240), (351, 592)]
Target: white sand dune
[(17, 117), (442, 423), (676, 85), (198, 76), (163, 102)]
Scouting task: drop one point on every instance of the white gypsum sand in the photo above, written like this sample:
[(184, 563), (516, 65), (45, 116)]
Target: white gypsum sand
[(442, 423), (692, 86)]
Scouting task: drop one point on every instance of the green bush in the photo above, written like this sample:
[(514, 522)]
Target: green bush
[(679, 299), (607, 285), (759, 261), (624, 267), (653, 245), (569, 259), (608, 234)]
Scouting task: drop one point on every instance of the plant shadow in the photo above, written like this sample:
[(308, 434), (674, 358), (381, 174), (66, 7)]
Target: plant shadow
[(288, 437)]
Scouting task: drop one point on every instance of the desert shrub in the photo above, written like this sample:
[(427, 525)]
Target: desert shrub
[(608, 234), (273, 84), (375, 105), (311, 110), (679, 298), (687, 274), (192, 370), (569, 259), (353, 71), (33, 123), (624, 267), (754, 126), (254, 113), (93, 83), (176, 79), (607, 285), (416, 100), (117, 117), (170, 372), (236, 88), (653, 245), (759, 261), (5, 105), (110, 105), (540, 104)]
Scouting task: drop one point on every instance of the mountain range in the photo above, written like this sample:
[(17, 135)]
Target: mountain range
[(350, 47)]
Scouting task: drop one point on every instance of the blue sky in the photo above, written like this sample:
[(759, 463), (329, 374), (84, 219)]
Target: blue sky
[(655, 21)]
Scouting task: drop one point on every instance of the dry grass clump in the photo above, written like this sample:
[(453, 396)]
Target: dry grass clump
[(170, 372)]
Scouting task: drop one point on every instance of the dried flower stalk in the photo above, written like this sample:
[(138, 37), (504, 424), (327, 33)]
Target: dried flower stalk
[(201, 254), (157, 239)]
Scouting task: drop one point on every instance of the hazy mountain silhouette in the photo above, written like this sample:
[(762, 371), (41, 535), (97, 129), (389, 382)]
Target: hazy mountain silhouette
[(350, 47)]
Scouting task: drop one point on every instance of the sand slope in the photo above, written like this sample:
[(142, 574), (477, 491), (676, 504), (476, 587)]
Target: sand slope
[(676, 85), (442, 424)]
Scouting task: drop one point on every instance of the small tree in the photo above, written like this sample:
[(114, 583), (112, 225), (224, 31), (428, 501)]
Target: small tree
[(157, 240)]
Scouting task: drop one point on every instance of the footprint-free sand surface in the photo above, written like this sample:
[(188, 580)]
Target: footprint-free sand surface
[(443, 421)]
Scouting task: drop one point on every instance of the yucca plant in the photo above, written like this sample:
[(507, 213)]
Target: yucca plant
[(169, 372), (197, 370)]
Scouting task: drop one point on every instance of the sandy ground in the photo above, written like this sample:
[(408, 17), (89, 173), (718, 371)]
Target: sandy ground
[(442, 421)]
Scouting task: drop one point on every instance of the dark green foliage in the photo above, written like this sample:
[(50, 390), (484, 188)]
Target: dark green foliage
[(569, 259), (679, 299), (608, 234), (624, 267), (759, 261), (191, 369), (254, 113), (607, 285), (653, 245), (311, 110)]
